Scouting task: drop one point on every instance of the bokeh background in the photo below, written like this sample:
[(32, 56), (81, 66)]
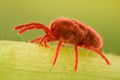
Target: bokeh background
[(102, 15)]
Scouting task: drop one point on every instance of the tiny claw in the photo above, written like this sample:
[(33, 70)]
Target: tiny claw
[(31, 41), (53, 63), (75, 69), (19, 27), (40, 44), (19, 33), (14, 29), (35, 40), (46, 46)]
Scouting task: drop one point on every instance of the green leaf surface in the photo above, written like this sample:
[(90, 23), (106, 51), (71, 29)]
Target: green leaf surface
[(27, 61)]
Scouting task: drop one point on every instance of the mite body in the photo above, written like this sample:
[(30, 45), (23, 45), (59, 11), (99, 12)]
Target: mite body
[(70, 31), (74, 32)]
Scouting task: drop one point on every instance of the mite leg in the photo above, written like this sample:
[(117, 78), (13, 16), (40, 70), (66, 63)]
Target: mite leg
[(36, 40), (45, 44), (57, 51), (99, 53), (103, 56), (45, 41), (76, 58), (39, 39), (48, 38), (22, 28)]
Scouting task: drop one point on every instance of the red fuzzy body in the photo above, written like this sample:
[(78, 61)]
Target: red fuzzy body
[(75, 32), (70, 31)]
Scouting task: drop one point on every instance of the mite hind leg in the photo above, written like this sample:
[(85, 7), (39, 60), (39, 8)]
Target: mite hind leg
[(99, 53)]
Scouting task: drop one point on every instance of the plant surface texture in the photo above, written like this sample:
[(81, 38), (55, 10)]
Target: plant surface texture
[(27, 61)]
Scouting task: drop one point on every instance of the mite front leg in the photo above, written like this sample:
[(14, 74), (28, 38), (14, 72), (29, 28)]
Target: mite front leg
[(22, 28), (42, 40), (45, 42), (36, 40), (57, 51), (48, 38)]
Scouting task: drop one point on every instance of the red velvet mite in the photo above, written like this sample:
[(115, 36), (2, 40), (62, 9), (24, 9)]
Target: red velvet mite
[(70, 31)]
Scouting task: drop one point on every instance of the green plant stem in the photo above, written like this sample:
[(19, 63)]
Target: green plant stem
[(26, 61)]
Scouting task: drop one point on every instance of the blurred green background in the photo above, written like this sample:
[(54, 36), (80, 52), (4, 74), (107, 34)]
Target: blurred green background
[(103, 15)]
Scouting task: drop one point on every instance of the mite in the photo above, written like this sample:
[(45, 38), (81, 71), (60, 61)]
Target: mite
[(69, 31)]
